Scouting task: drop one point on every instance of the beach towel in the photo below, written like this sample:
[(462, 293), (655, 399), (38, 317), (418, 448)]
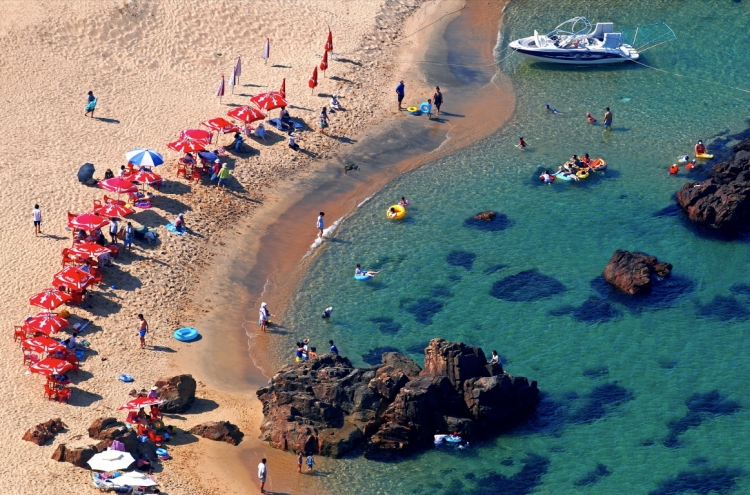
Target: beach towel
[(277, 123), (92, 105), (170, 227)]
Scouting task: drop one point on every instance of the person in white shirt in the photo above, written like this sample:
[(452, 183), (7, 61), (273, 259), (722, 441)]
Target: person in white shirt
[(262, 474), (37, 220)]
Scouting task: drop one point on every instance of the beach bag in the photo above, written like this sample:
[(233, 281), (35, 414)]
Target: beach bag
[(91, 106), (121, 233)]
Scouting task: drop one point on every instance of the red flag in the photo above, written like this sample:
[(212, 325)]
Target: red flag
[(313, 82), (282, 91), (324, 63), (329, 42)]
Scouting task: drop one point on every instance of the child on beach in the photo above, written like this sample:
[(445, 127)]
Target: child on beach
[(37, 220), (91, 105), (264, 315), (293, 140), (319, 225), (299, 462), (310, 462), (429, 109), (223, 176), (323, 120)]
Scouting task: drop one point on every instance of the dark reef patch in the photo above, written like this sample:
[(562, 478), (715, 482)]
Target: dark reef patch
[(522, 483), (600, 401), (670, 211), (500, 222), (526, 286), (441, 291), (701, 407), (424, 309), (463, 259), (597, 372), (386, 324), (506, 462), (664, 293), (667, 364), (454, 278), (374, 356), (724, 308), (593, 310), (720, 481), (741, 289), (494, 268), (593, 476)]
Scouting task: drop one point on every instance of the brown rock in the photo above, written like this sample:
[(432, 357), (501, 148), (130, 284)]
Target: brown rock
[(106, 428), (632, 272), (455, 360), (39, 434), (334, 442), (402, 362), (487, 216), (177, 392), (388, 381), (78, 457), (221, 431)]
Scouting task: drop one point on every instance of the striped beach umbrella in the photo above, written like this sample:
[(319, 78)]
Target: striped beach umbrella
[(220, 89), (144, 156), (313, 82), (266, 50)]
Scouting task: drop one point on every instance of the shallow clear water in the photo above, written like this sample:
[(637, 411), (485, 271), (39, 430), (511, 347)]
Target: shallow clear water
[(616, 380)]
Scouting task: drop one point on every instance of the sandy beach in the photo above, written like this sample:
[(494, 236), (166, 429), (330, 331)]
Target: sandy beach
[(154, 67)]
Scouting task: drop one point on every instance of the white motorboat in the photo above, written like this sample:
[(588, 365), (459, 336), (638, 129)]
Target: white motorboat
[(575, 42)]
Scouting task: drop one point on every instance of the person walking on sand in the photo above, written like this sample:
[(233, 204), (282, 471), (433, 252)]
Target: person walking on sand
[(400, 91), (323, 120), (223, 176), (91, 105), (142, 330), (262, 475), (299, 462), (437, 99), (429, 109), (310, 462), (608, 119), (114, 226), (320, 225), (37, 220)]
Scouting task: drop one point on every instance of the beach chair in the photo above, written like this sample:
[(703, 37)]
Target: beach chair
[(29, 359), (195, 175), (63, 395), (49, 392), (71, 216), (181, 170), (19, 333)]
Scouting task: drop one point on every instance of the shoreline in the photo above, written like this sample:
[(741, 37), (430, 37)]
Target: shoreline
[(274, 263)]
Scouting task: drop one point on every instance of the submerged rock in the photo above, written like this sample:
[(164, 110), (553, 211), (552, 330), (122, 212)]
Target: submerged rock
[(526, 286), (328, 406), (632, 273), (488, 220)]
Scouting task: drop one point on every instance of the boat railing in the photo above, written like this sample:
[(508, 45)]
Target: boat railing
[(648, 36)]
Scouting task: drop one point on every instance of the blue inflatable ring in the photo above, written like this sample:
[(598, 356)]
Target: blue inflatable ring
[(424, 107), (362, 277), (450, 439), (161, 451), (125, 378), (186, 334)]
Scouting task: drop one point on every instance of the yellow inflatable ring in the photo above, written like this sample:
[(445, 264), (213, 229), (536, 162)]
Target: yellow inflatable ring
[(400, 212), (412, 109)]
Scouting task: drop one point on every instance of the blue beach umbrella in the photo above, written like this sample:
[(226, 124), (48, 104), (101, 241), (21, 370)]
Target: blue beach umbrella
[(144, 156)]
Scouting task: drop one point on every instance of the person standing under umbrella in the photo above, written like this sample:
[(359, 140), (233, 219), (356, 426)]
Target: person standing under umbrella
[(37, 220), (91, 105), (437, 99), (113, 228)]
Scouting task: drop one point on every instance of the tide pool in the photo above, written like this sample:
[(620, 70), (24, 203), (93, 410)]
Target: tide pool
[(639, 397)]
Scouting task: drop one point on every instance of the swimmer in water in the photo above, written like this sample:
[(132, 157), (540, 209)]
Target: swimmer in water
[(403, 202), (546, 178), (673, 169), (592, 120), (521, 143), (550, 109), (364, 273)]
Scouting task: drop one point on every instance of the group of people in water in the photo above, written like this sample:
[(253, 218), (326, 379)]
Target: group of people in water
[(700, 152), (575, 168)]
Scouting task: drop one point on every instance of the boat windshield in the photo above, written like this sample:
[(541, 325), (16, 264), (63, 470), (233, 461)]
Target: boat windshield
[(572, 27)]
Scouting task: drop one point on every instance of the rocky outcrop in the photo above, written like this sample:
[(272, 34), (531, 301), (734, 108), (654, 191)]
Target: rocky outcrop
[(633, 272), (487, 216), (328, 406), (42, 432), (177, 392), (721, 202), (221, 431), (106, 428), (77, 456)]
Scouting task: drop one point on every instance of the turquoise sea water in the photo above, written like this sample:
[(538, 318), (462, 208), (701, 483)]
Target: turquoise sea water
[(646, 397)]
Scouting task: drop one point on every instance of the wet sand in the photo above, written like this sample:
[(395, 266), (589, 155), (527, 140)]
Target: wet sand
[(264, 259)]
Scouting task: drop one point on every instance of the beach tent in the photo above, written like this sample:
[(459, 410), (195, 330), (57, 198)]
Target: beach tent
[(86, 172)]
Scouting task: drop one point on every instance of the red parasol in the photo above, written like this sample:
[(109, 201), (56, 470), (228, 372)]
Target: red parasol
[(220, 125), (118, 185), (140, 402), (42, 344), (143, 177), (46, 323), (89, 249), (282, 90), (220, 90), (73, 278), (313, 82), (49, 299), (324, 63), (111, 210), (269, 101), (197, 134), (246, 114), (88, 221), (329, 42), (188, 145), (51, 366)]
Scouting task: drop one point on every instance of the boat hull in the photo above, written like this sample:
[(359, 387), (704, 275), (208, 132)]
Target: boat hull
[(577, 57)]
